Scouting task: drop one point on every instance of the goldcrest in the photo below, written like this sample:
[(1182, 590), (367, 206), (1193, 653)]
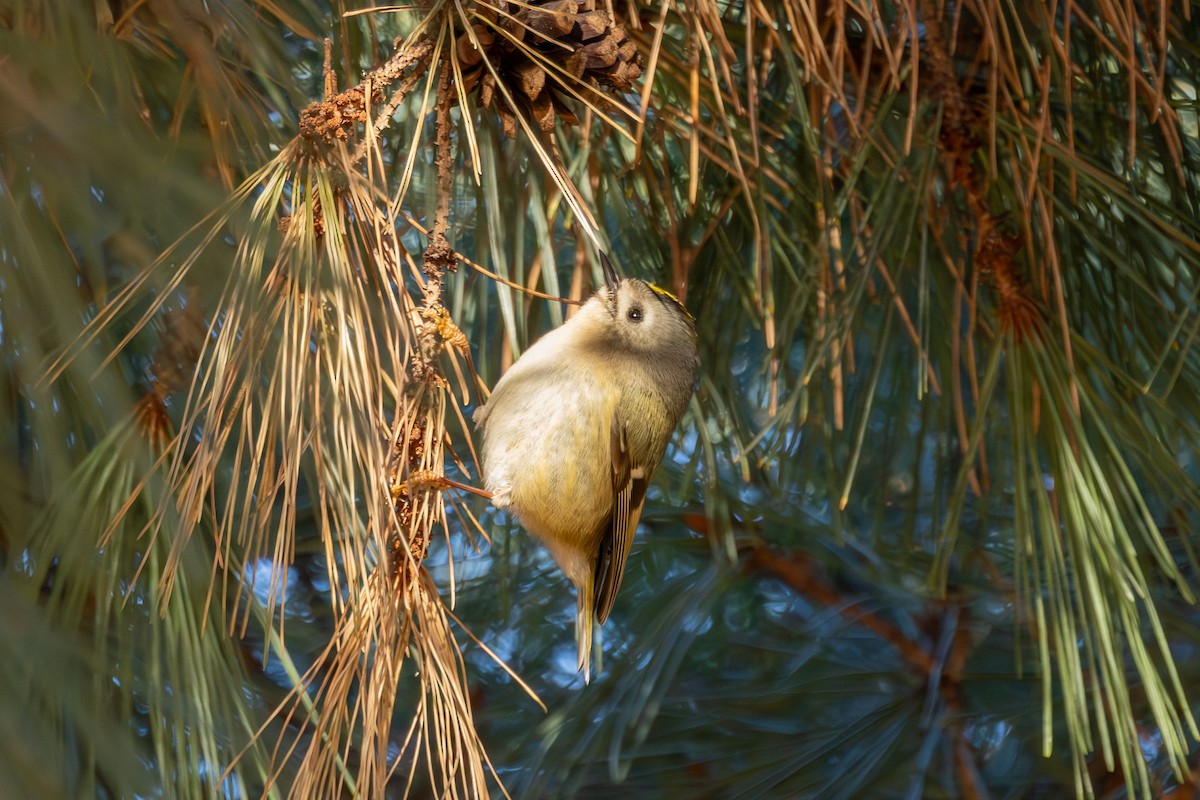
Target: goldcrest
[(575, 429)]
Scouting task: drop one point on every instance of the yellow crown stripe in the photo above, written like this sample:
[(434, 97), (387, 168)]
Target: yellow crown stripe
[(659, 290)]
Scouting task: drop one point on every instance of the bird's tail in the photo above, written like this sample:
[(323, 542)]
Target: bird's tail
[(584, 614)]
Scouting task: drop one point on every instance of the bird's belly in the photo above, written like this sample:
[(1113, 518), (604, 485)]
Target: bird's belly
[(554, 467)]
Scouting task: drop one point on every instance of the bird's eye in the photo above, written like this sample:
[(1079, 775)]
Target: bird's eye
[(635, 314)]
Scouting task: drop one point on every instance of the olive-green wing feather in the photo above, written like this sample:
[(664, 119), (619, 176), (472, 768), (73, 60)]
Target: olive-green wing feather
[(629, 482)]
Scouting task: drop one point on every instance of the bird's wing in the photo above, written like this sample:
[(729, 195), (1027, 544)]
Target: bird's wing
[(629, 483)]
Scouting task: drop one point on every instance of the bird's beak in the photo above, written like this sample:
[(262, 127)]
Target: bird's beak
[(610, 272)]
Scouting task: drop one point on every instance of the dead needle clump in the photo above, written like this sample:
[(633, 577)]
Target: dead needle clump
[(333, 120), (439, 318), (336, 118)]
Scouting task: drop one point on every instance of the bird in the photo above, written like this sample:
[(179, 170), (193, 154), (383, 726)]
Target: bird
[(575, 429)]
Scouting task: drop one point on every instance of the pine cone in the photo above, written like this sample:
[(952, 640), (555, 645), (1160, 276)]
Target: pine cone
[(522, 42)]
